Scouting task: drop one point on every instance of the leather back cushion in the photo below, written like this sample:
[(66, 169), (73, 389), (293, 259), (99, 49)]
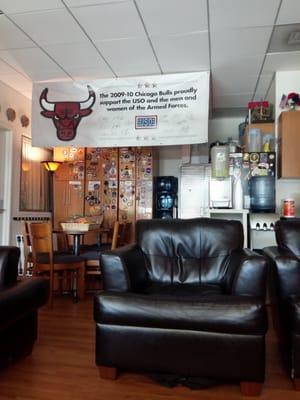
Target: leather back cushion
[(288, 235), (188, 251)]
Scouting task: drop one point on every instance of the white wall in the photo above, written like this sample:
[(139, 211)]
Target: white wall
[(170, 158), (286, 82), (223, 128), (22, 105), (2, 158)]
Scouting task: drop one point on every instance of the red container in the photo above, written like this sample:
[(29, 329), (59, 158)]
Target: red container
[(288, 208)]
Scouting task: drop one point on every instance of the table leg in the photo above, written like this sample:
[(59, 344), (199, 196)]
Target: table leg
[(76, 245), (76, 252)]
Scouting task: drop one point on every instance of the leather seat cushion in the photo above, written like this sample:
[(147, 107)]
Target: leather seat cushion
[(94, 254), (210, 313), (59, 258), (190, 291)]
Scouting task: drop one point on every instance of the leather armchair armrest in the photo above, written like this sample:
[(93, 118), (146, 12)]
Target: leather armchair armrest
[(22, 298), (285, 269), (9, 259), (247, 274), (124, 269)]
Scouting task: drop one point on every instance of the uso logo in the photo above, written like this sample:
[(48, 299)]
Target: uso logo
[(146, 122)]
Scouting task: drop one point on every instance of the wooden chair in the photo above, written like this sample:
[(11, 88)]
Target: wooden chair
[(120, 236), (28, 261), (125, 234), (46, 261)]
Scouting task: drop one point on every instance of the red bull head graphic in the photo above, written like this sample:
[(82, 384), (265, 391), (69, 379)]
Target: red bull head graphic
[(66, 115)]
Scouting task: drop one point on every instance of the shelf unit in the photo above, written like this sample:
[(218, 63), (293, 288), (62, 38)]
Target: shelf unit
[(265, 127), (288, 144)]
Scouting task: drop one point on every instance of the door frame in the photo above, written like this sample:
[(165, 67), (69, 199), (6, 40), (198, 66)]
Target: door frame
[(7, 193)]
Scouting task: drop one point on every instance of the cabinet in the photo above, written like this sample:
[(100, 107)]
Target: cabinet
[(289, 145)]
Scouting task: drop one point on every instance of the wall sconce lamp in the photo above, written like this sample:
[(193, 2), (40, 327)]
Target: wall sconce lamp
[(51, 166)]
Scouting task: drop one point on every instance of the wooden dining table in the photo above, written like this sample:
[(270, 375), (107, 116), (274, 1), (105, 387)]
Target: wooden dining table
[(78, 234)]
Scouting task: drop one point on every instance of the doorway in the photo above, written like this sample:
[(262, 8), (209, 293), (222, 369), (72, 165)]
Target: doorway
[(6, 143)]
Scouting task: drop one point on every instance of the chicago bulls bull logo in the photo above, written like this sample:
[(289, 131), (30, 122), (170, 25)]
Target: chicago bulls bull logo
[(66, 115)]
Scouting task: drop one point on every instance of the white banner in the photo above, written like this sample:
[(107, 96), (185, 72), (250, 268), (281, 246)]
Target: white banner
[(140, 111)]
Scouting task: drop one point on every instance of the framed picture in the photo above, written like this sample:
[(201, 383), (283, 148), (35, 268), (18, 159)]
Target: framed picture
[(34, 179)]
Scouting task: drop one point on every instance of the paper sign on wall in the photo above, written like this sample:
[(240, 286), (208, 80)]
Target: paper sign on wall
[(139, 111)]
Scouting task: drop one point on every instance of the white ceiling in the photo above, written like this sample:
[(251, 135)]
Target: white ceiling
[(94, 39)]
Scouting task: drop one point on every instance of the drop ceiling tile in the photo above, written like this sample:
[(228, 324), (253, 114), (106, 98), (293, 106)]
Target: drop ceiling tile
[(259, 96), (11, 37), (234, 100), (20, 6), (17, 82), (33, 63), (230, 82), (50, 27), (6, 69), (264, 83), (243, 13), (280, 38), (85, 3), (183, 53), (289, 12), (247, 65), (234, 44), (129, 57), (289, 61), (80, 55), (110, 21), (88, 74), (170, 17)]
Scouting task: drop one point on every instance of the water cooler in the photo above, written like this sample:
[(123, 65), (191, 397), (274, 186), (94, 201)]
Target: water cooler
[(258, 171), (166, 192)]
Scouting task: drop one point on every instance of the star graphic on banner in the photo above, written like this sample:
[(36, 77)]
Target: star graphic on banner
[(147, 85), (140, 85), (154, 85)]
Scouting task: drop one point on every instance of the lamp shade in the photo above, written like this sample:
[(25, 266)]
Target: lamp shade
[(51, 165)]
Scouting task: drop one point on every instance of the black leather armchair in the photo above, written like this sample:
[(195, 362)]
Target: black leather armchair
[(19, 301), (285, 293), (185, 299)]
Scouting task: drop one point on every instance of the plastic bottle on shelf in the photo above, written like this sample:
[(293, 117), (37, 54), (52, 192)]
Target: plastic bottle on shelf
[(237, 192), (220, 161), (255, 140)]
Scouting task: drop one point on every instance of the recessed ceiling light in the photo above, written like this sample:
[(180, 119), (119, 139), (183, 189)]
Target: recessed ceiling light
[(294, 38)]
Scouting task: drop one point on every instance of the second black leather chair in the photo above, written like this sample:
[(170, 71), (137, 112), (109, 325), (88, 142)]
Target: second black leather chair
[(19, 303), (186, 299), (285, 293)]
